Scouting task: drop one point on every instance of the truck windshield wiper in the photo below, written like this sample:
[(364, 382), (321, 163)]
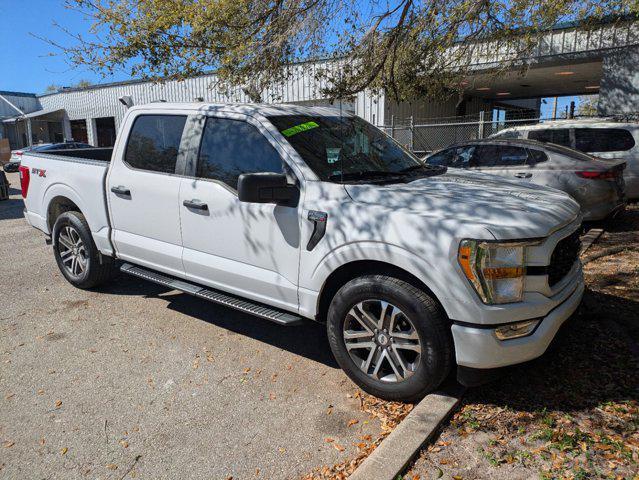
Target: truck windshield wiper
[(428, 169)]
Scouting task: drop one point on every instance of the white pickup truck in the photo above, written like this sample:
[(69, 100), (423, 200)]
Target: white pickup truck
[(290, 212)]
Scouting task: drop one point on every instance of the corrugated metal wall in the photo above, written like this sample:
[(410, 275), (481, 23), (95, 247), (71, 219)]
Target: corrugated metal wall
[(102, 101)]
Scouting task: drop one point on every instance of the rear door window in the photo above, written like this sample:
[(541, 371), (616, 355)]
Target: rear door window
[(558, 136), (154, 142), (603, 139), (500, 156), (536, 156)]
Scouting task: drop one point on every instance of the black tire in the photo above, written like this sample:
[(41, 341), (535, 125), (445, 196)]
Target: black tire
[(98, 269), (428, 321)]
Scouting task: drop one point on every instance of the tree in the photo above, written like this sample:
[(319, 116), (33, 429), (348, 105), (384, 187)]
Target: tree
[(406, 47), (53, 88), (587, 105)]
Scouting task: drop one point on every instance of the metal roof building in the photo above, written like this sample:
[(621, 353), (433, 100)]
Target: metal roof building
[(568, 60)]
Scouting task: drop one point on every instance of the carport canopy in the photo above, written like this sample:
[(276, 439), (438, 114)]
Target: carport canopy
[(47, 115)]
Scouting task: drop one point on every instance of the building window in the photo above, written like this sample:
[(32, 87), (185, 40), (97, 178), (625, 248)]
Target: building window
[(105, 130), (79, 131)]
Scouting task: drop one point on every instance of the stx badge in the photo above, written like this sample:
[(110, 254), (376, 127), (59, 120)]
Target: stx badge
[(39, 172)]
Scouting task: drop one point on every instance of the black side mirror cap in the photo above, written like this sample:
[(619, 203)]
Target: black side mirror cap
[(267, 187)]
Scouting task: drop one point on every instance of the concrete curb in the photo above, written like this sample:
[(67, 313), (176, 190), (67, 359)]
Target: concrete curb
[(398, 449), (589, 238)]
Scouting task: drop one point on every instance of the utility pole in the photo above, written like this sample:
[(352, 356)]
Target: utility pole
[(554, 109)]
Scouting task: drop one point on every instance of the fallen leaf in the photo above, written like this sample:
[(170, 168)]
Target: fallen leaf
[(64, 451), (8, 444), (352, 422), (124, 443), (339, 447), (329, 440), (247, 369), (282, 450), (58, 404), (11, 395), (111, 466), (40, 392), (271, 396), (42, 441)]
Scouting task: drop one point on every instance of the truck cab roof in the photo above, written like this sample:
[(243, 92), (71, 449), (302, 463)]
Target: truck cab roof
[(263, 109)]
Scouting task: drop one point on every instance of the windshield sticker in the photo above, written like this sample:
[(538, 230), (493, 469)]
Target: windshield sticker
[(302, 127), (332, 155)]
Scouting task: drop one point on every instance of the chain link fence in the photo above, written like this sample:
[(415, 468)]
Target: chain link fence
[(422, 136)]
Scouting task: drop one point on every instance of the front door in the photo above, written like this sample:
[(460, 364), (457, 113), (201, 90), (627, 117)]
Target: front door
[(248, 249), (143, 194)]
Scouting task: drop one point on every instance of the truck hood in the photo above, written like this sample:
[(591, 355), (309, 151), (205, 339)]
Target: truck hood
[(508, 209)]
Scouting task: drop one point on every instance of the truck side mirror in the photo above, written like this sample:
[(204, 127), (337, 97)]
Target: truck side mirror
[(267, 187)]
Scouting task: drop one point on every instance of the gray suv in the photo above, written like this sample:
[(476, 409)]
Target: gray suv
[(597, 185)]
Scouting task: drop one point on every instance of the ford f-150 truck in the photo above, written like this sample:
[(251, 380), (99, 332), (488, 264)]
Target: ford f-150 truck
[(289, 212)]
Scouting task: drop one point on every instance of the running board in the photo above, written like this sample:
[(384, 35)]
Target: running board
[(259, 310)]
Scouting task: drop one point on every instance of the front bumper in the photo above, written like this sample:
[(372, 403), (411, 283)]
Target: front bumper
[(478, 347)]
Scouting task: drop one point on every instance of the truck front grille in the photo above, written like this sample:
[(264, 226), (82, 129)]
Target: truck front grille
[(564, 256)]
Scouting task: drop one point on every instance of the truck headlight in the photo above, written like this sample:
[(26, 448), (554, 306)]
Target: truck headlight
[(495, 270)]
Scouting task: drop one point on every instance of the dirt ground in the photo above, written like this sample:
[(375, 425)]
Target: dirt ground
[(574, 413)]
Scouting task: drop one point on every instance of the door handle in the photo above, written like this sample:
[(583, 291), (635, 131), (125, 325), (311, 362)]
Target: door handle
[(523, 175), (121, 190), (195, 205)]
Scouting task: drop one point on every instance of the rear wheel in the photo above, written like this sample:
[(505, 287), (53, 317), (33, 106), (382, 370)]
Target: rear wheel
[(390, 338), (76, 254)]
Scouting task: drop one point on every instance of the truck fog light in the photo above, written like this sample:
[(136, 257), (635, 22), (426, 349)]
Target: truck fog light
[(516, 330)]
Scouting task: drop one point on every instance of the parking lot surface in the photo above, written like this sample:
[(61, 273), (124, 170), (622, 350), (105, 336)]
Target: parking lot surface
[(135, 381)]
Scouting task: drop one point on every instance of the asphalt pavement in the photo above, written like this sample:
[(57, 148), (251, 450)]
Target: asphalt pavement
[(135, 381)]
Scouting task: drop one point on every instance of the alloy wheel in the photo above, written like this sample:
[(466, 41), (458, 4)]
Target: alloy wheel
[(382, 340), (72, 251)]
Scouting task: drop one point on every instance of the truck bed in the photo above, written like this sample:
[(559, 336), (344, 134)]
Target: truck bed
[(78, 175)]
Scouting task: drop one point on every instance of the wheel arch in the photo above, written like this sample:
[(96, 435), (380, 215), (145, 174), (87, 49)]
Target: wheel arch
[(57, 206), (357, 268)]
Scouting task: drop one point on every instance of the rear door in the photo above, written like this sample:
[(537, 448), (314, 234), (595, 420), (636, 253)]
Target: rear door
[(249, 249), (504, 160), (143, 189)]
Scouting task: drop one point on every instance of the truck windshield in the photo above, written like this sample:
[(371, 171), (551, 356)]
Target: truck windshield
[(347, 149)]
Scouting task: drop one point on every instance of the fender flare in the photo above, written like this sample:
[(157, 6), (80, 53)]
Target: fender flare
[(61, 190), (394, 255)]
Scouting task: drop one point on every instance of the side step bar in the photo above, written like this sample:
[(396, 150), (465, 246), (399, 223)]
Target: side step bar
[(248, 306)]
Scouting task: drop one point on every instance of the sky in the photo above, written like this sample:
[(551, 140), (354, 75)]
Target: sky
[(25, 61)]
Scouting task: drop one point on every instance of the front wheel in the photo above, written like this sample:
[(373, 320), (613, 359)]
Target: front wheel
[(390, 337), (76, 254)]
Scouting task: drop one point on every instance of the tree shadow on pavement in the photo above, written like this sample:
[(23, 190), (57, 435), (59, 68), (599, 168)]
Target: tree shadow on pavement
[(591, 361), (308, 340)]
